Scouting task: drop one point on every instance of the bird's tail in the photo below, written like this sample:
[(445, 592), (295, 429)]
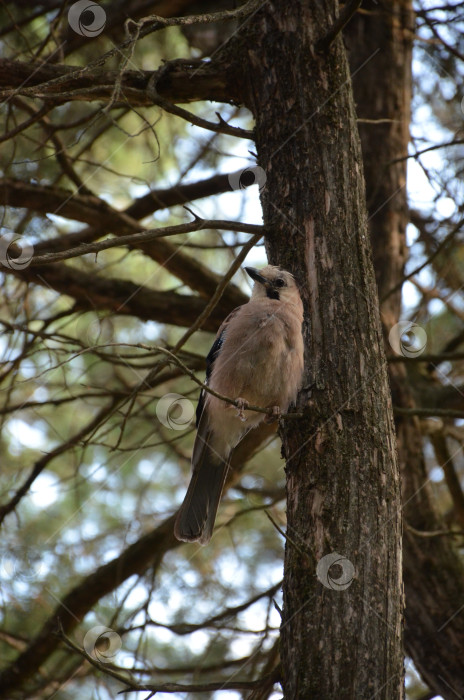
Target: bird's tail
[(195, 519)]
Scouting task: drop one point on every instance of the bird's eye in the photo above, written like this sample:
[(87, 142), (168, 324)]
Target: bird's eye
[(279, 282)]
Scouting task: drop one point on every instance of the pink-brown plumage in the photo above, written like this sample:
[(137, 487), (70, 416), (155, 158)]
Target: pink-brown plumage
[(258, 357)]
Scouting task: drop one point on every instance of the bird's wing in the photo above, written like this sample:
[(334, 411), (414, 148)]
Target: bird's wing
[(196, 516), (210, 359)]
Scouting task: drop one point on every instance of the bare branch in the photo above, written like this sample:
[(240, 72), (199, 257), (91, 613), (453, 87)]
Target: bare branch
[(122, 297), (149, 550), (100, 215), (438, 412), (44, 461), (349, 9), (145, 237), (59, 83), (220, 128), (445, 460)]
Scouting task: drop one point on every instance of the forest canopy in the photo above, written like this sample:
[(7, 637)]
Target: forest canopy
[(131, 191)]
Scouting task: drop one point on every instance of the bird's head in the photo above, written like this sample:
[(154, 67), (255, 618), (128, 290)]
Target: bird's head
[(274, 283)]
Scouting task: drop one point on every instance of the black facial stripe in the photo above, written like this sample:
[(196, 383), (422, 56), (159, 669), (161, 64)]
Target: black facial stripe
[(272, 293)]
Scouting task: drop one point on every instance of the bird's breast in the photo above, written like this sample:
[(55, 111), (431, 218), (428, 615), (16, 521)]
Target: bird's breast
[(260, 358)]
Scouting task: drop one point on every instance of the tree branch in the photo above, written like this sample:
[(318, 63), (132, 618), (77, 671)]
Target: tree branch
[(189, 81), (144, 237), (445, 460), (97, 213), (208, 389), (44, 461), (149, 550), (149, 203), (220, 128), (122, 297), (426, 412), (436, 359), (343, 18)]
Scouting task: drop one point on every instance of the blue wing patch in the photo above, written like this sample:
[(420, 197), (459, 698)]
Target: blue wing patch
[(210, 358)]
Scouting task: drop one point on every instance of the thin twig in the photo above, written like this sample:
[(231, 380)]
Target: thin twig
[(420, 267), (221, 127), (206, 18), (434, 533), (105, 668), (436, 359), (286, 536), (144, 237), (426, 412), (205, 387)]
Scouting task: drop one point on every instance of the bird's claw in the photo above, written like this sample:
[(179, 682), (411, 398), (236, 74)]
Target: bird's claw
[(275, 415), (241, 405)]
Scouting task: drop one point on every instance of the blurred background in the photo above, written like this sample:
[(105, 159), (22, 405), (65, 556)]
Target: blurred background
[(95, 459)]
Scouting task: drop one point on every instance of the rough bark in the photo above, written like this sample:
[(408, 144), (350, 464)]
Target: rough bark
[(433, 573), (343, 491)]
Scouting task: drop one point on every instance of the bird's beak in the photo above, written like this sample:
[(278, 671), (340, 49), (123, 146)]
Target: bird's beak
[(254, 274)]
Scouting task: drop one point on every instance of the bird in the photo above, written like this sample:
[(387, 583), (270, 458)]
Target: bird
[(256, 359)]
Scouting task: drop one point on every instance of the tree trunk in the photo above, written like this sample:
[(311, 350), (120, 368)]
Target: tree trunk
[(433, 572), (340, 638)]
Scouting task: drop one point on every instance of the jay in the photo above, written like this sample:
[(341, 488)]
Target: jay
[(256, 358)]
